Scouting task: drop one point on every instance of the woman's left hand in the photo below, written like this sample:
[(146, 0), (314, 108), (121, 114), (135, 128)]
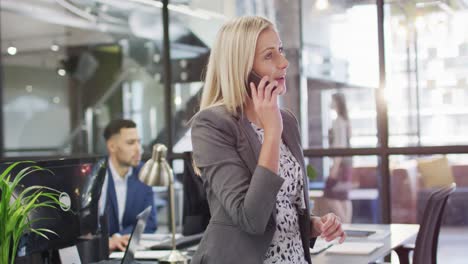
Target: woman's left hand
[(328, 227)]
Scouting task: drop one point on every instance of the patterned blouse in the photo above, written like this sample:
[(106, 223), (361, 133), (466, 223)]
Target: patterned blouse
[(286, 246)]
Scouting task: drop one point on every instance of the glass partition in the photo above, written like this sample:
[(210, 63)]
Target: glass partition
[(426, 53), (346, 186), (337, 121), (70, 67), (340, 65)]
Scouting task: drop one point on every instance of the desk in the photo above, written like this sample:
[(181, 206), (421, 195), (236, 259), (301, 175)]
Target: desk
[(400, 234)]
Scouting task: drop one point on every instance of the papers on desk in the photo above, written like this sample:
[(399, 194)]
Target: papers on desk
[(359, 241), (320, 245), (354, 248), (143, 254), (149, 240), (159, 237)]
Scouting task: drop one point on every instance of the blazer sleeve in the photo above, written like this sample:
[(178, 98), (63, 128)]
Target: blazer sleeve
[(248, 199), (127, 230), (148, 200)]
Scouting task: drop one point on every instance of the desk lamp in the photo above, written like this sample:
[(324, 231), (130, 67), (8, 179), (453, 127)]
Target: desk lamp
[(157, 172)]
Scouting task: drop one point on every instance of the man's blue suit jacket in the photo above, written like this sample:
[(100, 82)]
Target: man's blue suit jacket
[(139, 196)]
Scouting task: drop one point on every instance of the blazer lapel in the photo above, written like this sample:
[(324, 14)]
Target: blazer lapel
[(112, 202), (255, 146), (131, 194), (251, 144), (290, 140)]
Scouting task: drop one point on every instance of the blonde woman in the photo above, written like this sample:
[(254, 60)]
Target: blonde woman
[(249, 155)]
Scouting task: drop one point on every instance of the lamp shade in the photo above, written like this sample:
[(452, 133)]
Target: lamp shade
[(156, 171)]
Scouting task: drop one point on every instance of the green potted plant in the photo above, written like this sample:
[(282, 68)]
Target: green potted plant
[(311, 172), (15, 205)]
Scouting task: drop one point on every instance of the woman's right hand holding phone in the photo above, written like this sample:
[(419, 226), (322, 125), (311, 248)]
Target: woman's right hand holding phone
[(265, 101)]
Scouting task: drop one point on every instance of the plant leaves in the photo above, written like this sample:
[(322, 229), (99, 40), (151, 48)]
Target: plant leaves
[(16, 204), (311, 172)]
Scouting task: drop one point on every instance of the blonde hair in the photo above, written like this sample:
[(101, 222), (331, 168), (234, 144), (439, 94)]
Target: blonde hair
[(231, 61)]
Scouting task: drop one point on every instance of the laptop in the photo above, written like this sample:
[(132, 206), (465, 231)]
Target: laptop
[(133, 241)]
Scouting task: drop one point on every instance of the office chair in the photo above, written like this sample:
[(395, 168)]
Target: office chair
[(425, 249), (196, 212)]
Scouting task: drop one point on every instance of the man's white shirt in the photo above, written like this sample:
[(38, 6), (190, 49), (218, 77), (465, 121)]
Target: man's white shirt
[(120, 185)]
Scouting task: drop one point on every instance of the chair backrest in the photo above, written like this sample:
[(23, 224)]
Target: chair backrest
[(425, 251), (196, 212)]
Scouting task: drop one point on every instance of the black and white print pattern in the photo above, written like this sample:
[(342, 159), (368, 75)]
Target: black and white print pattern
[(286, 246)]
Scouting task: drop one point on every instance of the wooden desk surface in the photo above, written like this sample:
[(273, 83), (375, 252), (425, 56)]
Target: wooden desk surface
[(399, 234)]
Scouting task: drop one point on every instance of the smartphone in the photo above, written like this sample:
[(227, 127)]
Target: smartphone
[(255, 78)]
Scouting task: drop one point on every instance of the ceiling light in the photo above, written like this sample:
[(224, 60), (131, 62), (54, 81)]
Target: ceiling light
[(61, 72), (54, 47), (177, 100), (419, 23), (157, 77), (104, 8), (12, 50), (321, 4), (156, 58)]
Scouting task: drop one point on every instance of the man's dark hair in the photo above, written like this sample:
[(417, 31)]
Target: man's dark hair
[(114, 126)]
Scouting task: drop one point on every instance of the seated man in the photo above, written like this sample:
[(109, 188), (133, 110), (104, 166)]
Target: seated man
[(123, 195)]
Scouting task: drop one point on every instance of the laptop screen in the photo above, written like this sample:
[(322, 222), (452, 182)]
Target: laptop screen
[(135, 237)]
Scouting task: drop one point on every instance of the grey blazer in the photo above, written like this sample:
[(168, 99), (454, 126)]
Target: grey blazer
[(241, 194)]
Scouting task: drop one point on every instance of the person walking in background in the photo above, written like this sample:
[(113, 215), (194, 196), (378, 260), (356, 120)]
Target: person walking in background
[(248, 153), (338, 183)]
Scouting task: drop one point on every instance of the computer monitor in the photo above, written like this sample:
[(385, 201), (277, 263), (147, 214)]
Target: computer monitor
[(79, 182)]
